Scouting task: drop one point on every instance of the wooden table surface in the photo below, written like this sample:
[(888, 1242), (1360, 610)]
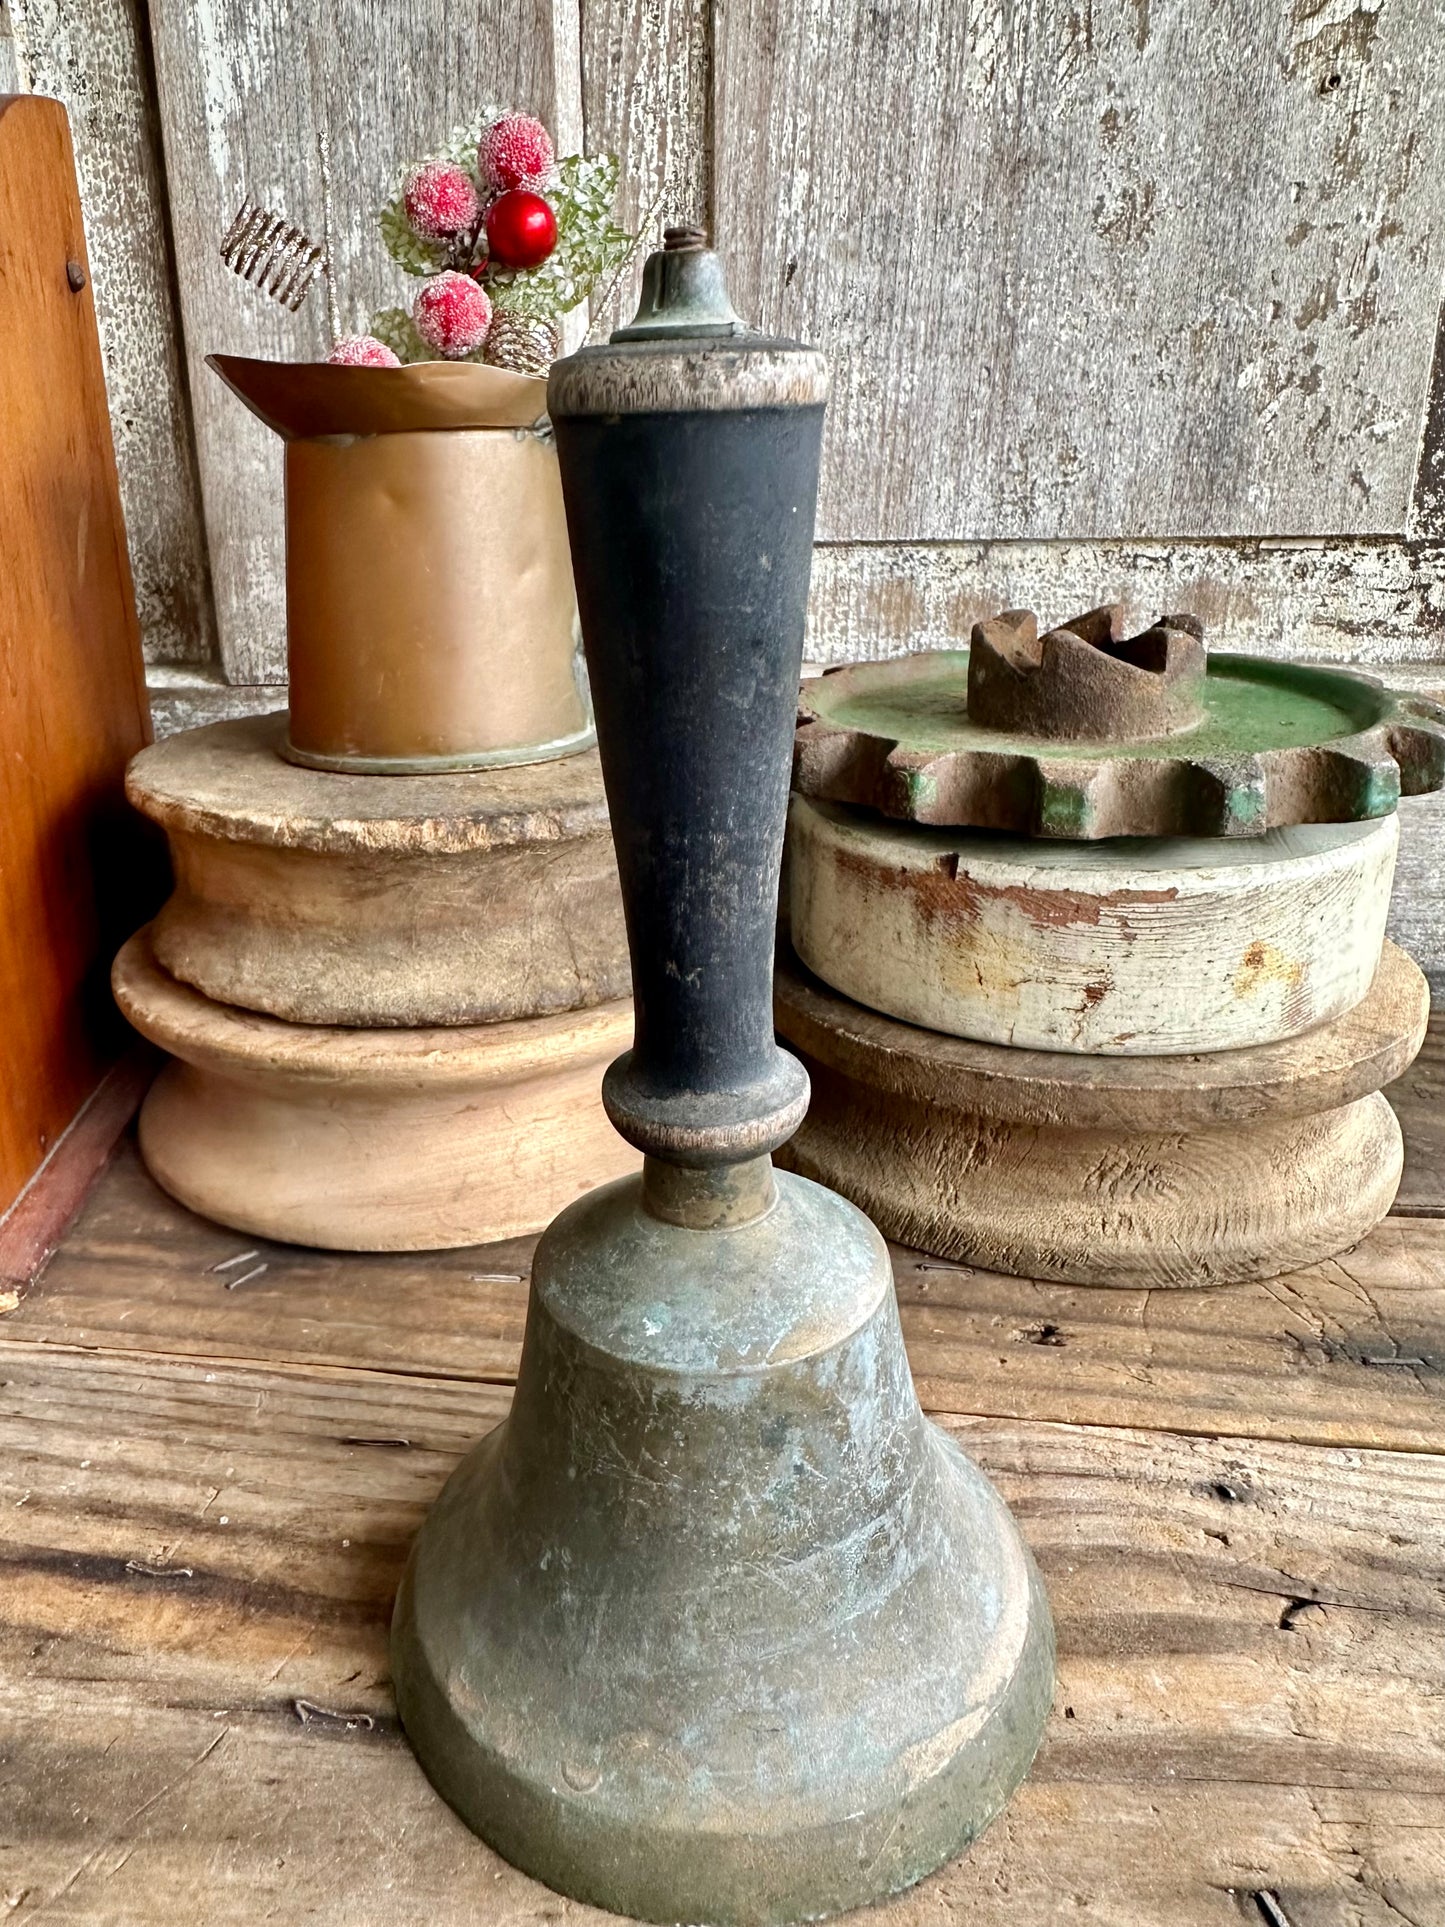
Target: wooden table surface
[(1237, 1498)]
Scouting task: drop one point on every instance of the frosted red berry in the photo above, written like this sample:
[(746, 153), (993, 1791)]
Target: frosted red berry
[(452, 314), (440, 201), (515, 151), (521, 230), (362, 351)]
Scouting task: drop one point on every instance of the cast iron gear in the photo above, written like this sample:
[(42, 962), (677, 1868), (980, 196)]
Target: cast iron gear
[(1086, 732)]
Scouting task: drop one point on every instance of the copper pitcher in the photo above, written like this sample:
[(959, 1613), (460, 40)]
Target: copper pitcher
[(431, 621)]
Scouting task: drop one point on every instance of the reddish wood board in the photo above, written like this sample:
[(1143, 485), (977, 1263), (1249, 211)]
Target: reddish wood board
[(75, 875)]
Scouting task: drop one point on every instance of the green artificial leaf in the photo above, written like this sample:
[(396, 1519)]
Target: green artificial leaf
[(395, 327), (405, 246), (462, 142)]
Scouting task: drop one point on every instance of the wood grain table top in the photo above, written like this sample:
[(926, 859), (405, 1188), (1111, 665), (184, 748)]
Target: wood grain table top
[(214, 1452)]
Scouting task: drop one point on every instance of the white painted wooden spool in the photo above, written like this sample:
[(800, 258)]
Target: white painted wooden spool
[(1132, 947), (372, 1140)]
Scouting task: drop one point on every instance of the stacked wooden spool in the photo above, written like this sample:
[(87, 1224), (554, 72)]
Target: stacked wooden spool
[(1091, 974), (394, 966)]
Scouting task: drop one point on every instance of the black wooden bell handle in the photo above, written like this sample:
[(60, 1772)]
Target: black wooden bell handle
[(691, 529)]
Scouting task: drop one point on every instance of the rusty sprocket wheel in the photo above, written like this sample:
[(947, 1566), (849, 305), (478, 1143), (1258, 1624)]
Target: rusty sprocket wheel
[(1084, 732)]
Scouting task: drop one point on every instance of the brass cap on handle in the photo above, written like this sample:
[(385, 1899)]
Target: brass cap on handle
[(686, 349), (683, 292)]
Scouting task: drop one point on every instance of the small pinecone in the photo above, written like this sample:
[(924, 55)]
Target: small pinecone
[(522, 343)]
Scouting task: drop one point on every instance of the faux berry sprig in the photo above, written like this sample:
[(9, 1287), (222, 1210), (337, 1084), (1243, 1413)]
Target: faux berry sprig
[(506, 240)]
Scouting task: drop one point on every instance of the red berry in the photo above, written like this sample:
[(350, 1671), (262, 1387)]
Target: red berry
[(440, 201), (362, 351), (521, 229), (515, 151), (452, 315)]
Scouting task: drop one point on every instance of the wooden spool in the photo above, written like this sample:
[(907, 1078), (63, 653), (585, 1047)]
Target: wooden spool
[(372, 1140), (1140, 947), (377, 901), (1204, 1170)]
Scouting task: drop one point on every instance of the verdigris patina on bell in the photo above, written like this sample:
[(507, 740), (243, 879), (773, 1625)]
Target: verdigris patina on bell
[(717, 1626)]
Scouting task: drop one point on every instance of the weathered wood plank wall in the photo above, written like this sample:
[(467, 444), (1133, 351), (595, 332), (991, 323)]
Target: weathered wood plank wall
[(647, 96), (1119, 295), (1368, 600), (1188, 265), (1108, 269), (95, 56)]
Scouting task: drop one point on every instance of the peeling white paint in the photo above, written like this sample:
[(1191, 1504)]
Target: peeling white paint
[(228, 65)]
